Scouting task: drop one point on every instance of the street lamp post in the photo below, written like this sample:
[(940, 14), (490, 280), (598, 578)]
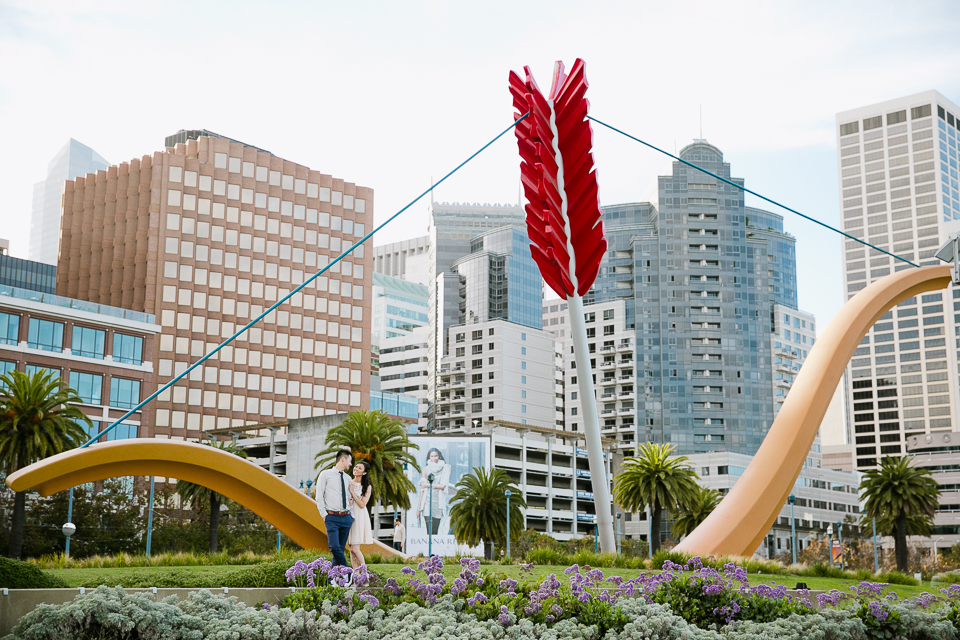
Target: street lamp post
[(793, 528), (830, 544), (618, 534), (507, 493), (150, 518), (430, 479), (840, 540), (72, 528)]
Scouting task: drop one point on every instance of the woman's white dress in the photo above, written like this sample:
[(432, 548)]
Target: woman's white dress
[(361, 532)]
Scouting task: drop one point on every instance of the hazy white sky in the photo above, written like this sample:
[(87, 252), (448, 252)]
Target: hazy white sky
[(390, 95)]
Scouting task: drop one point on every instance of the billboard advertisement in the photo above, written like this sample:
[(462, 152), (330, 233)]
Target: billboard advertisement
[(448, 459)]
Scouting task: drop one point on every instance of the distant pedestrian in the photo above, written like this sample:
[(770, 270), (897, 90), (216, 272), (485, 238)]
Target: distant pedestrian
[(334, 503), (399, 535)]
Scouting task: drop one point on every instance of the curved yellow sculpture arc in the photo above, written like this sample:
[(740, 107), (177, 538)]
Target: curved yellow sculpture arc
[(287, 509), (742, 519)]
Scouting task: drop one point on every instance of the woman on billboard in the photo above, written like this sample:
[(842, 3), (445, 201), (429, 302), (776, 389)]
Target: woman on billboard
[(436, 465)]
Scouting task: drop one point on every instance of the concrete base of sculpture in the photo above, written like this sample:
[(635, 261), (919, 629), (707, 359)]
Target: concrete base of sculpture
[(287, 509), (745, 515)]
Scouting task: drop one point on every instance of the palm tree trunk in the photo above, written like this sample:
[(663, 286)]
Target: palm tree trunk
[(900, 543), (214, 520), (15, 549), (656, 514)]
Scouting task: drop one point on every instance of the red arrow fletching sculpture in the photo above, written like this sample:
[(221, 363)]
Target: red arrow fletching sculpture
[(566, 233), (559, 181)]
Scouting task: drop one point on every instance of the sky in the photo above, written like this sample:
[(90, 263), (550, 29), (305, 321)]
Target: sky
[(394, 95)]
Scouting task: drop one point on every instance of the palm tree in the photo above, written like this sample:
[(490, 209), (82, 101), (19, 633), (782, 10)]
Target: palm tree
[(480, 511), (196, 495), (654, 479), (36, 421), (903, 499), (690, 515), (382, 441)]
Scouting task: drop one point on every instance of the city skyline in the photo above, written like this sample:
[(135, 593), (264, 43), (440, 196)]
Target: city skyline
[(777, 127)]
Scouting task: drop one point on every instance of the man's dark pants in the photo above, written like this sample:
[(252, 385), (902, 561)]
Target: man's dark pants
[(338, 529), (398, 546)]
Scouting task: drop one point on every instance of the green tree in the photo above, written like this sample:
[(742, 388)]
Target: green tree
[(382, 441), (196, 495), (36, 421), (480, 510), (903, 499), (653, 478), (690, 515)]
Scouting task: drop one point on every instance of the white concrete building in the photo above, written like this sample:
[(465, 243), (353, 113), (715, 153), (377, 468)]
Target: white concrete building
[(940, 453), (823, 496), (407, 260), (555, 318), (497, 370), (612, 360), (897, 165)]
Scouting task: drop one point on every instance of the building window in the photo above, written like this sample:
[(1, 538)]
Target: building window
[(89, 386), (9, 328), (124, 393), (591, 332), (523, 379), (477, 335), (523, 394), (127, 349), (88, 343), (523, 408), (523, 351), (5, 368), (523, 364), (32, 369), (608, 314), (477, 406), (477, 364), (523, 336), (45, 335)]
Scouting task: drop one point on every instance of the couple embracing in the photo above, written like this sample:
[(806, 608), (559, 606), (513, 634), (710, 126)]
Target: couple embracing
[(342, 502)]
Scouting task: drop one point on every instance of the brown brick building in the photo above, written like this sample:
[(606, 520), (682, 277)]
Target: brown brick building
[(104, 353), (208, 234)]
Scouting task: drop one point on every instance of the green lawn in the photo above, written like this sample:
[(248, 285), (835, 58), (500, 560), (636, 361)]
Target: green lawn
[(231, 575), (135, 577)]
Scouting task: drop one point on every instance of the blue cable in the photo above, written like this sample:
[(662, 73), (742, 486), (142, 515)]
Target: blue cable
[(305, 283), (743, 188)]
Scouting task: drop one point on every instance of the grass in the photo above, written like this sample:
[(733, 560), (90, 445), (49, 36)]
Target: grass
[(198, 577)]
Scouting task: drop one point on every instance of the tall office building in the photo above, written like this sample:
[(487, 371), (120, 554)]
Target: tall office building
[(72, 161), (407, 260), (898, 175), (452, 227), (700, 275), (400, 340), (499, 279), (205, 236)]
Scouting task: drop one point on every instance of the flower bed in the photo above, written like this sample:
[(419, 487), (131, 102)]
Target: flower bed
[(682, 601)]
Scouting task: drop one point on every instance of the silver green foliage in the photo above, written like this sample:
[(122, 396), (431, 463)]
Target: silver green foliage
[(112, 613)]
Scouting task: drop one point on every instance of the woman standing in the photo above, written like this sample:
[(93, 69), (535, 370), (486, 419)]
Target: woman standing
[(360, 532), (436, 465)]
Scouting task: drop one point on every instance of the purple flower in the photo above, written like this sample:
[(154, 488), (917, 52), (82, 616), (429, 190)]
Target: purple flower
[(878, 611), (408, 571), (370, 599), (479, 582)]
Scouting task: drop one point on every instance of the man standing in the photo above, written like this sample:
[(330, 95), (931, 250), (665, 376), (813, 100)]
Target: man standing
[(399, 535), (333, 501)]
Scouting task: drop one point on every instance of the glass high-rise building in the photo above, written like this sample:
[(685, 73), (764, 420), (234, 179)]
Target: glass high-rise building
[(72, 161), (500, 280), (452, 227), (899, 191), (700, 275)]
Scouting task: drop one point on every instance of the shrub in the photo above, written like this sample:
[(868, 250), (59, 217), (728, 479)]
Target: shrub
[(823, 570), (545, 556), (15, 574), (896, 577)]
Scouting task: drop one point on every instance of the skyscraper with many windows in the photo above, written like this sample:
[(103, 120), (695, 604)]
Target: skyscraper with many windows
[(897, 164), (208, 234), (701, 276), (72, 161)]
